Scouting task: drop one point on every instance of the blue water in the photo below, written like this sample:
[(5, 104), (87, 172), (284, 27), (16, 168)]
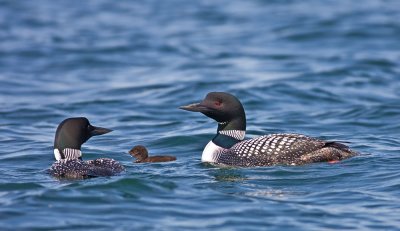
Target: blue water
[(328, 69)]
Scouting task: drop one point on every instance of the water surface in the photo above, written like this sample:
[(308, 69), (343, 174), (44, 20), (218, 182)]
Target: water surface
[(328, 69)]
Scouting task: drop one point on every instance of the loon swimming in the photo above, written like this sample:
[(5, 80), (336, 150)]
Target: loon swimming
[(70, 135), (228, 147), (142, 156)]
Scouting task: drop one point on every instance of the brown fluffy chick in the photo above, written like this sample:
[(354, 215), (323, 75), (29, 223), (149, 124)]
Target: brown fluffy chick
[(142, 156)]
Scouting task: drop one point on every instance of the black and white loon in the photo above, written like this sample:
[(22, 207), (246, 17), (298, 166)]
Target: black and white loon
[(70, 135), (228, 147)]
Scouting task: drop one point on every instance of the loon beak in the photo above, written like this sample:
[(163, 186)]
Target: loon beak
[(99, 131), (196, 107)]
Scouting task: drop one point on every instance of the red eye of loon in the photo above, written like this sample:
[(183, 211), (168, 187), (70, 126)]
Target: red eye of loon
[(217, 103)]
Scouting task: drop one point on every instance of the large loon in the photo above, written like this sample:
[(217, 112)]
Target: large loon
[(142, 155), (228, 147), (70, 135)]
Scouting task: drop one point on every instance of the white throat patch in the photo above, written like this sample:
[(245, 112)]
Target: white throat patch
[(57, 154), (211, 152)]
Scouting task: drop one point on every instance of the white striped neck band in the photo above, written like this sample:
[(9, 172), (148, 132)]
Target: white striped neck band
[(67, 154), (237, 134)]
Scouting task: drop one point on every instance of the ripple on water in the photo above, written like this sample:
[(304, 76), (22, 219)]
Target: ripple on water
[(329, 71)]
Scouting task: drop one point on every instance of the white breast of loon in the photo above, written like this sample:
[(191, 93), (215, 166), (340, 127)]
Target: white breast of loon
[(211, 152)]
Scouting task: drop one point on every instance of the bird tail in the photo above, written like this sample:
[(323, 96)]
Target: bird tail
[(341, 146)]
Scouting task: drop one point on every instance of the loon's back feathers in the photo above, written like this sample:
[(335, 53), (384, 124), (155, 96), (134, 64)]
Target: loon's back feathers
[(71, 169), (337, 145), (79, 169), (229, 148), (291, 149), (105, 166)]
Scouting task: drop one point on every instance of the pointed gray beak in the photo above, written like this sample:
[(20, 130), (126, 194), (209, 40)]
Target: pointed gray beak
[(99, 131), (196, 107)]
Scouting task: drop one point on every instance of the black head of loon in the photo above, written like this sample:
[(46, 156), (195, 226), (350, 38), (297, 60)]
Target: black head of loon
[(71, 134), (224, 108)]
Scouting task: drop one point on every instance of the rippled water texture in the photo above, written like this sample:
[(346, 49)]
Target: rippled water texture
[(328, 69)]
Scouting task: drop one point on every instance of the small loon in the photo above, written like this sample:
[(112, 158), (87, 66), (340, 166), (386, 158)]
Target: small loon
[(228, 147), (142, 156), (70, 135)]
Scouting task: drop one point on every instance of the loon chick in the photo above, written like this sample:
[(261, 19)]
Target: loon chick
[(142, 156), (228, 147), (70, 135)]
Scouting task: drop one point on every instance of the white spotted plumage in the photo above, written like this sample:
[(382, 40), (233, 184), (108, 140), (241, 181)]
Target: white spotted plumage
[(263, 150), (79, 169)]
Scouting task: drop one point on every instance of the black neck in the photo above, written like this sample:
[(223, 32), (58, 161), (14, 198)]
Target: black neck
[(227, 141), (224, 141), (237, 124), (62, 142)]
